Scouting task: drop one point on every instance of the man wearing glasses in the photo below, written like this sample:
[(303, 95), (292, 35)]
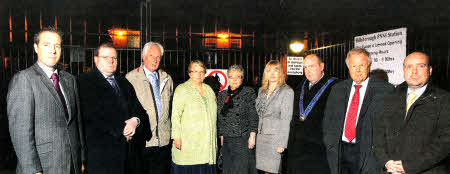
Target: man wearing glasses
[(112, 114)]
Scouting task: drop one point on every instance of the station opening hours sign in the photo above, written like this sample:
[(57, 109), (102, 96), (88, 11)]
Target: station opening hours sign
[(387, 50)]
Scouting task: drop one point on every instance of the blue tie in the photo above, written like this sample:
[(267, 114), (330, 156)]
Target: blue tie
[(155, 85), (113, 83)]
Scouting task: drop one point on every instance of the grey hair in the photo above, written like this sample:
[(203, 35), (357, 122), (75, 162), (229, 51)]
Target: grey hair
[(237, 68), (358, 50), (147, 46)]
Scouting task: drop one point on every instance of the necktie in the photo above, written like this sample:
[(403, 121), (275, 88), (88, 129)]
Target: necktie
[(310, 85), (155, 85), (412, 96), (350, 124), (113, 83), (55, 80)]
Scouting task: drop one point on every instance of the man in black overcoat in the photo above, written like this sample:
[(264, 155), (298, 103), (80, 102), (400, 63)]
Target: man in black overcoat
[(412, 134), (114, 119)]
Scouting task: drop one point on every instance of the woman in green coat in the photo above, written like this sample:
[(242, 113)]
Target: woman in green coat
[(194, 115)]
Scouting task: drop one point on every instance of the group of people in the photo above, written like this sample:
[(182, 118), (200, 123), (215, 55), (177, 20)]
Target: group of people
[(106, 123)]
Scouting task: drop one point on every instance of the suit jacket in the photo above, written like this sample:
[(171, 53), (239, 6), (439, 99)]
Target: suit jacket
[(44, 137), (104, 114), (160, 129), (333, 123), (306, 137), (421, 141), (275, 114)]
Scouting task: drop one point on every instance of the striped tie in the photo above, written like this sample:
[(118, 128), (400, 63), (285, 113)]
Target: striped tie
[(411, 96), (113, 83)]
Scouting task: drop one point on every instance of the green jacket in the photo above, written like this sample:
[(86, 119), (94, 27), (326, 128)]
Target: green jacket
[(194, 121)]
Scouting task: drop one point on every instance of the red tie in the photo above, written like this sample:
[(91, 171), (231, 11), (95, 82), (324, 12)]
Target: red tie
[(55, 80), (350, 124)]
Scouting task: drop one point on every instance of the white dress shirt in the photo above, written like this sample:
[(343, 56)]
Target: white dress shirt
[(362, 93)]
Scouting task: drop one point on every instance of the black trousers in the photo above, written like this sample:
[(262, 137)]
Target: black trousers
[(350, 158), (157, 160)]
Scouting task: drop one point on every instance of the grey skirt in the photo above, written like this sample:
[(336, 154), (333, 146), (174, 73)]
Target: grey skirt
[(267, 157)]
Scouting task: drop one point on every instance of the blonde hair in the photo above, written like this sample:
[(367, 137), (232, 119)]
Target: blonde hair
[(265, 81)]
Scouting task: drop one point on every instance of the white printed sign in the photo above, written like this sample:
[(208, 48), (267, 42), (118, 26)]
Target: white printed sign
[(294, 65), (222, 74), (387, 50)]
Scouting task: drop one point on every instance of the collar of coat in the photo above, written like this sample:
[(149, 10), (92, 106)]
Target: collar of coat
[(163, 76)]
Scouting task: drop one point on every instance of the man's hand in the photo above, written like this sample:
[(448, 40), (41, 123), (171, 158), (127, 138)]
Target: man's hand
[(130, 128), (82, 168), (177, 143), (394, 167), (252, 140), (221, 140), (280, 149)]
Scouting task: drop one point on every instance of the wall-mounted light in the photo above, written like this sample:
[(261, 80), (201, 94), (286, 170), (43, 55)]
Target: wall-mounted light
[(125, 38), (222, 35), (296, 47)]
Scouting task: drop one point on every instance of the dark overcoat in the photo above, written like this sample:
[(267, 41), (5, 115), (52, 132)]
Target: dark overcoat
[(421, 141), (104, 114)]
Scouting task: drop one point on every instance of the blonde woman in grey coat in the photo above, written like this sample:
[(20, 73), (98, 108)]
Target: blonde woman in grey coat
[(274, 105)]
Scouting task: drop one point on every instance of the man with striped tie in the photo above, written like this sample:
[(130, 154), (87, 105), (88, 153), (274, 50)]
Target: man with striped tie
[(112, 114), (412, 134)]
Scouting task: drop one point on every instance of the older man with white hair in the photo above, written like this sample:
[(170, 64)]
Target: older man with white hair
[(154, 89)]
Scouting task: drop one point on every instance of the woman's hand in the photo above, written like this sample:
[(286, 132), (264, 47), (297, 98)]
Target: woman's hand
[(177, 143), (280, 149), (252, 140)]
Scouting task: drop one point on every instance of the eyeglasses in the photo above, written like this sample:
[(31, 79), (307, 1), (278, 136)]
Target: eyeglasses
[(106, 57)]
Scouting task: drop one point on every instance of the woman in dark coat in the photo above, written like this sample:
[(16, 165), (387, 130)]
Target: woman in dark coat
[(237, 124)]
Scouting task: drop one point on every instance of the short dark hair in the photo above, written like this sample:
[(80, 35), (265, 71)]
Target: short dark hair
[(103, 45), (47, 29), (318, 57)]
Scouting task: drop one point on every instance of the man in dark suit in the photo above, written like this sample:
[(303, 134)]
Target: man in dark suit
[(352, 106), (306, 151), (413, 131), (111, 114), (43, 112)]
